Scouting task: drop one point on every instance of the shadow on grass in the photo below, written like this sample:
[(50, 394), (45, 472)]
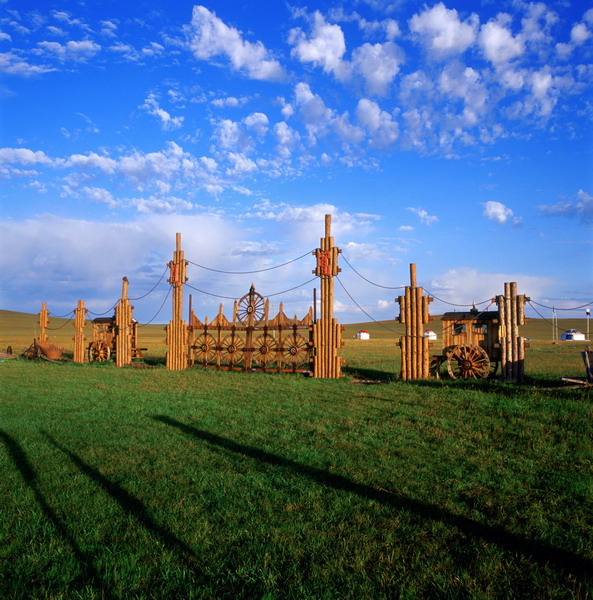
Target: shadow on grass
[(544, 554), (374, 374), (21, 462), (133, 507)]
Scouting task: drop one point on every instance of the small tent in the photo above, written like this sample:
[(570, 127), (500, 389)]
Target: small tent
[(362, 335), (573, 335), (430, 334)]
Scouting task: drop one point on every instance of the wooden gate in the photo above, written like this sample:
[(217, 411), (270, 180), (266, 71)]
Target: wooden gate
[(251, 340)]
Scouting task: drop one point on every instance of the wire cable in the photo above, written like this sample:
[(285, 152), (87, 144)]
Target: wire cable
[(59, 316), (292, 288), (557, 308), (460, 305), (249, 272), (60, 326), (385, 287), (152, 290), (158, 311), (238, 298), (102, 313), (210, 293)]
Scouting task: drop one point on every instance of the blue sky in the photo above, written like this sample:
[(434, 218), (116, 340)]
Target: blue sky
[(454, 135)]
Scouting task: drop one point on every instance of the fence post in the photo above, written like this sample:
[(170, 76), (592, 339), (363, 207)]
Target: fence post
[(511, 308), (43, 323), (176, 330), (123, 328), (327, 333), (79, 323), (413, 312)]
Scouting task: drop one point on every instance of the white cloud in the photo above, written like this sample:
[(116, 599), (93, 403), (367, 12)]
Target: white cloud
[(229, 101), (383, 129), (377, 64), (316, 115), (441, 30), (497, 41), (257, 122), (581, 208), (324, 48), (425, 218), (99, 195), (168, 123), (12, 64), (92, 160), (74, 51), (211, 37), (498, 212), (24, 156)]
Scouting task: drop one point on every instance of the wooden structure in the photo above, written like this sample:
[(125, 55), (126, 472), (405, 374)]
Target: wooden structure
[(177, 357), (79, 323), (471, 346), (327, 333), (415, 346), (105, 342), (252, 340), (512, 346), (587, 381), (43, 323), (125, 328)]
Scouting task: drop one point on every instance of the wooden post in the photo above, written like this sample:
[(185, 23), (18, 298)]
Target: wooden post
[(79, 323), (512, 315), (43, 323), (176, 330), (123, 328), (413, 312), (327, 333)]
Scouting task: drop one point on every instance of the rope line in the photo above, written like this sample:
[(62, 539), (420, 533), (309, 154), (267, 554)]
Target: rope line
[(556, 308), (159, 310), (62, 325), (365, 312), (385, 287), (249, 272), (239, 297), (59, 316), (102, 313), (152, 290), (542, 316), (292, 288), (209, 293), (461, 305)]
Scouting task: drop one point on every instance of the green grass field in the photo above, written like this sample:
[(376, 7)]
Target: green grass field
[(144, 483)]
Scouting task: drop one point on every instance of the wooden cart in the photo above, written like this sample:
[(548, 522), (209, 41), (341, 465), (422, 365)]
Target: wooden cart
[(103, 344), (471, 345)]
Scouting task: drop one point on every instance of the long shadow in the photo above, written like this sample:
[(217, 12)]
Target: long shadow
[(557, 557), (133, 507), (27, 472)]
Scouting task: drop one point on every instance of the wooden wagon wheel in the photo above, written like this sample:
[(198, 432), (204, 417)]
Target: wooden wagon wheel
[(232, 349), (434, 366), (468, 361), (296, 349), (251, 304), (265, 350), (99, 352), (205, 347)]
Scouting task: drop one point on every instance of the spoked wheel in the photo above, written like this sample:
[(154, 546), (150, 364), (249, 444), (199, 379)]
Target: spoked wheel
[(265, 350), (232, 349), (296, 350), (434, 367), (205, 348), (468, 362), (99, 352), (251, 306)]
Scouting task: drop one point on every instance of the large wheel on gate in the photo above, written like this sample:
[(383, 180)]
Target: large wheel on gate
[(99, 352), (205, 347), (467, 362), (265, 350), (252, 304), (232, 349), (296, 350)]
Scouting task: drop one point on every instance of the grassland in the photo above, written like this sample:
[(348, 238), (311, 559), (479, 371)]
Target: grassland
[(143, 483)]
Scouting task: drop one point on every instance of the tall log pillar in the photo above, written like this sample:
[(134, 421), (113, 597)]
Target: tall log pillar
[(415, 347), (327, 333), (43, 323), (177, 330), (511, 308), (123, 328), (79, 323)]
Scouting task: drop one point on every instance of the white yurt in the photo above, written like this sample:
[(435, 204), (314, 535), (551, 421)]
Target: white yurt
[(572, 335), (362, 335), (430, 334)]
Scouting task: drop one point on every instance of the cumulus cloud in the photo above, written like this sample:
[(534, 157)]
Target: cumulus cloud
[(380, 124), (71, 51), (441, 30), (210, 37), (378, 65), (580, 208), (11, 64), (499, 213), (425, 218), (497, 41), (168, 123)]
